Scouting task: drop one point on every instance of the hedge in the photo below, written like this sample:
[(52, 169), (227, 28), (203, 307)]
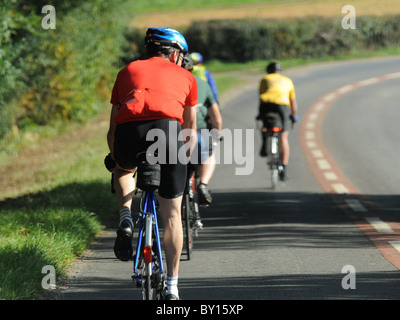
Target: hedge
[(263, 39), (66, 73), (310, 37)]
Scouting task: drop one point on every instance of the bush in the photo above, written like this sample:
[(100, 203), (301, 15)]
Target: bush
[(61, 74), (15, 26), (309, 37)]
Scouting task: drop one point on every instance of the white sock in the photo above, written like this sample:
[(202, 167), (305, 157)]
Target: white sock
[(172, 285)]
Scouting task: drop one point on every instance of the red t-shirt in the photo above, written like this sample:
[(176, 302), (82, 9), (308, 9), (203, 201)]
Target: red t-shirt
[(153, 89)]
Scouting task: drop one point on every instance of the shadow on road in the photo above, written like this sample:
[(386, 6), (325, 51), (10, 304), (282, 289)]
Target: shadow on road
[(257, 245)]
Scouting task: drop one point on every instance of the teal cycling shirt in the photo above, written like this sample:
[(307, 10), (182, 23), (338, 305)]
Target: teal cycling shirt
[(205, 101)]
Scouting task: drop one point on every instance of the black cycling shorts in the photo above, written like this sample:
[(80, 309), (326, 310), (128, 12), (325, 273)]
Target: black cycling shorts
[(130, 139), (283, 111)]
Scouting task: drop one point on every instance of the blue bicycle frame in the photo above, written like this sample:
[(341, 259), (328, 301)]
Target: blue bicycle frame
[(149, 207)]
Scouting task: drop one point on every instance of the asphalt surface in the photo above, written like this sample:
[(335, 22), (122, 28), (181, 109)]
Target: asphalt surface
[(293, 242)]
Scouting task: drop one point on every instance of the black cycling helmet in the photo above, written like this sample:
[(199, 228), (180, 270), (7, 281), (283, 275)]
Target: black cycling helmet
[(187, 62), (166, 37), (274, 67)]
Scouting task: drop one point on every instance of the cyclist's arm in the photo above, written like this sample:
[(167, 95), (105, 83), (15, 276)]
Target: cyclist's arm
[(263, 86), (215, 116), (111, 130), (293, 106), (293, 102), (213, 85), (189, 128)]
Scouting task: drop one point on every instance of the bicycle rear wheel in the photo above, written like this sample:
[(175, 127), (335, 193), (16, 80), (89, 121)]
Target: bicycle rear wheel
[(148, 292), (273, 152)]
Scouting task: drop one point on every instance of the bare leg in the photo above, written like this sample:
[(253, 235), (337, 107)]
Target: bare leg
[(206, 170), (124, 187), (285, 150), (170, 211)]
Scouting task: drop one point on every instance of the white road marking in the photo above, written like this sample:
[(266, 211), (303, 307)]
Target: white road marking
[(339, 188), (379, 225), (323, 164), (367, 82), (396, 245), (331, 176), (329, 97), (345, 89), (393, 75), (356, 205), (310, 135), (310, 125), (319, 107), (311, 144), (317, 153)]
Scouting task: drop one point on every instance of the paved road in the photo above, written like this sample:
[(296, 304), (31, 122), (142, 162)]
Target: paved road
[(292, 242)]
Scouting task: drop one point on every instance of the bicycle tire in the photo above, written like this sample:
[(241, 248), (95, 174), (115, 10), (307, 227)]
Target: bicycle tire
[(148, 290), (273, 151), (148, 266), (187, 234), (274, 178)]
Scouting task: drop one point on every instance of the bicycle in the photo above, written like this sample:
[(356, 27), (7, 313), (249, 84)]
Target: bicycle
[(190, 213), (148, 267), (273, 127)]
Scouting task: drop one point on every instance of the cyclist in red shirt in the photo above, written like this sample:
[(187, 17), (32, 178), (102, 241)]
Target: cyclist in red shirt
[(156, 93)]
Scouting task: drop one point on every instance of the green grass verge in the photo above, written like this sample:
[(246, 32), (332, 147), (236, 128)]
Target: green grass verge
[(162, 5), (48, 228), (56, 214)]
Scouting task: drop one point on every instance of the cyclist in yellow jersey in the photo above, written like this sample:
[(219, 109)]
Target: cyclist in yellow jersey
[(277, 94), (200, 71)]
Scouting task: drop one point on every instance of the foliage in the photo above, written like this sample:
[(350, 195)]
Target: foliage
[(245, 40), (163, 5), (309, 37), (65, 73)]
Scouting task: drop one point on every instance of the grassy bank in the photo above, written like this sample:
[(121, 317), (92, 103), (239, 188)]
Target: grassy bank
[(58, 199)]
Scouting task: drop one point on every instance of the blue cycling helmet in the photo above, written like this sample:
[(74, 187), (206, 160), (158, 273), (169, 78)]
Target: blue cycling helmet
[(166, 37), (196, 57)]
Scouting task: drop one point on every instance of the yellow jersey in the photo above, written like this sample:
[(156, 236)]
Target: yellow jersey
[(276, 88)]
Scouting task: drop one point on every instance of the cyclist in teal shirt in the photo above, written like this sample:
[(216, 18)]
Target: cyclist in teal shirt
[(207, 107)]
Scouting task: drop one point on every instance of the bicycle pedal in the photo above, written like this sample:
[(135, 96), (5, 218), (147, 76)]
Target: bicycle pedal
[(137, 282), (198, 224)]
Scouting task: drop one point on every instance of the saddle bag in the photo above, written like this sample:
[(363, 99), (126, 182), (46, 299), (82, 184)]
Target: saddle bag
[(148, 175), (271, 120)]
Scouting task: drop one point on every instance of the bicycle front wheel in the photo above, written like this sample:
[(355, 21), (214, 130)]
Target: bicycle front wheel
[(148, 293)]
